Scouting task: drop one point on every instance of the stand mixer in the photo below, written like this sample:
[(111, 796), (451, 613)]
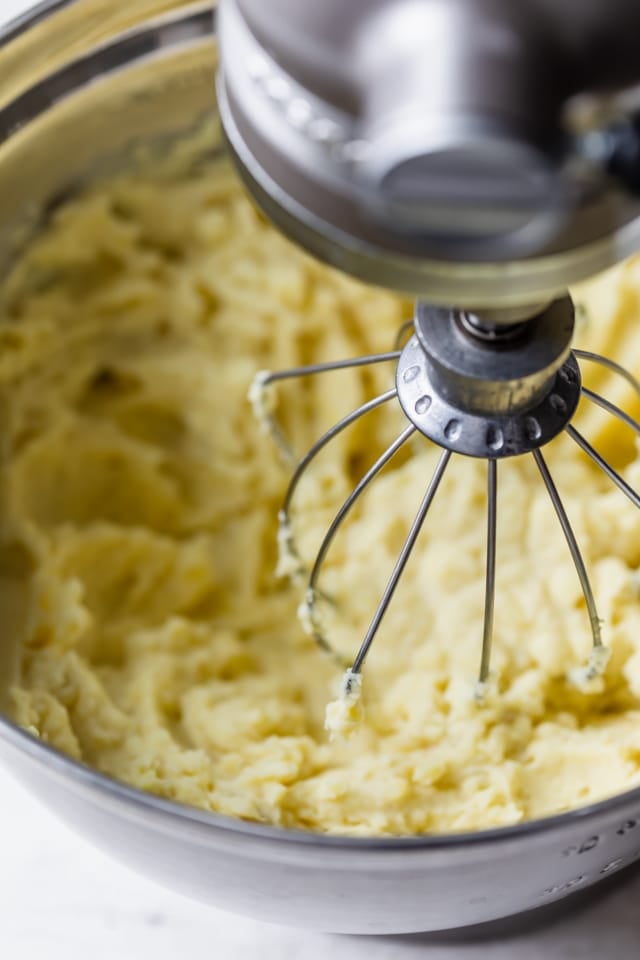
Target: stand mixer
[(85, 85), (481, 155)]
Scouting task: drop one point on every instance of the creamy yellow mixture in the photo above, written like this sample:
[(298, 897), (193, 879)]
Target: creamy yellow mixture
[(138, 539)]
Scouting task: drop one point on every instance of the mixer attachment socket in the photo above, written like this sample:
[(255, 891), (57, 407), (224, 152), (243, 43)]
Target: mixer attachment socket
[(489, 389)]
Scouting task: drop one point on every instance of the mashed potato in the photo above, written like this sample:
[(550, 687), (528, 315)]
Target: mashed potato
[(138, 530)]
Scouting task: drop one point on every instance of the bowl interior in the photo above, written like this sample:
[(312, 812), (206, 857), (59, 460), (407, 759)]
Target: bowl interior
[(126, 106), (129, 105)]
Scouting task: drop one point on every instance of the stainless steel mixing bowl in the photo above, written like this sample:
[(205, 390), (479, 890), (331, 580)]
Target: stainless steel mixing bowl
[(82, 84)]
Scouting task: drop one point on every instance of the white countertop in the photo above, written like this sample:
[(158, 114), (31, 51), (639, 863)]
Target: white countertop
[(60, 898)]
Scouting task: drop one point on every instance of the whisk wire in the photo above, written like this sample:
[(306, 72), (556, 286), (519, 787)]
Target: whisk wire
[(609, 365), (357, 491), (314, 368), (408, 325), (611, 408), (574, 548), (327, 438), (606, 467), (490, 582), (262, 402), (401, 562)]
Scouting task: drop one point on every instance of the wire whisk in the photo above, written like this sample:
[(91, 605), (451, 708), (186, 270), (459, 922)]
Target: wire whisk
[(472, 421)]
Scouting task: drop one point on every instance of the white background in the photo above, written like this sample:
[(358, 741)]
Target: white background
[(59, 898)]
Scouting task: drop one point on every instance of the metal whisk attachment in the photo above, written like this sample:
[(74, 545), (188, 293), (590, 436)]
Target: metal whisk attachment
[(490, 386)]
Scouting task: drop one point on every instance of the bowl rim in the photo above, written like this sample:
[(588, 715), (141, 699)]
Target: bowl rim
[(29, 17), (84, 776)]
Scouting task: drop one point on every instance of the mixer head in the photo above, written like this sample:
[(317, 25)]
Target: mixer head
[(480, 154), (424, 144)]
